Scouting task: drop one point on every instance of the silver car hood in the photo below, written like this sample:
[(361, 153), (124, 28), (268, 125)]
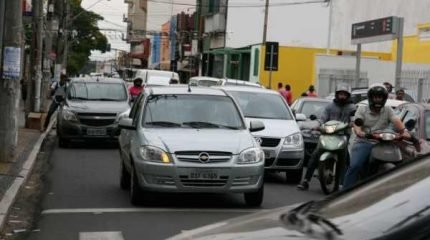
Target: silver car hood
[(184, 139), (262, 225), (98, 106), (276, 127)]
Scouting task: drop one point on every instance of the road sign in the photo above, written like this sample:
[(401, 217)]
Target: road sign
[(271, 56), (376, 30)]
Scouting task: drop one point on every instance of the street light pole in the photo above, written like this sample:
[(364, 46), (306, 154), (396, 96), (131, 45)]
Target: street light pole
[(266, 17)]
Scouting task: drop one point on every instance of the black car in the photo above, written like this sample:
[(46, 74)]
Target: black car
[(393, 205)]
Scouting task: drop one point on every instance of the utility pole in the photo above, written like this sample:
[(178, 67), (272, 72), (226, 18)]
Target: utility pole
[(47, 54), (266, 17), (2, 9), (10, 75), (38, 49)]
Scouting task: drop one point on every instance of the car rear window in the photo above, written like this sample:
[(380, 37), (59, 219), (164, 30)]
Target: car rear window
[(97, 91)]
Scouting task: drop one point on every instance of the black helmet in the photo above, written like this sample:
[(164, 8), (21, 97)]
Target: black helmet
[(138, 81), (377, 90)]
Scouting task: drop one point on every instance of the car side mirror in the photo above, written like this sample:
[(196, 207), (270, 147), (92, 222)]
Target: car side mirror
[(126, 123), (410, 124), (300, 117), (255, 126), (359, 122), (313, 117)]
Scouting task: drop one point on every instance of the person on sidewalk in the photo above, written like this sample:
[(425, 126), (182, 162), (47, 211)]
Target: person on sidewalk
[(340, 109), (289, 94), (282, 91), (311, 91), (57, 89)]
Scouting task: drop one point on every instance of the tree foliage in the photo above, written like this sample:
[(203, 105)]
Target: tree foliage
[(85, 36)]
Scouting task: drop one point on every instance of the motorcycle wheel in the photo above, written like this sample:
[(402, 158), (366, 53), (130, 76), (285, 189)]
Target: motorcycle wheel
[(327, 176)]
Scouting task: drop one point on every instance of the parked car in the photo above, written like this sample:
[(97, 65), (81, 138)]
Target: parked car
[(307, 106), (178, 139), (204, 81), (281, 139), (394, 205), (152, 77), (91, 109)]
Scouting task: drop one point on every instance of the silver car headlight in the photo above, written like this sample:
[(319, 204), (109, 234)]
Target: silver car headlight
[(154, 154), (69, 115), (251, 155), (293, 141)]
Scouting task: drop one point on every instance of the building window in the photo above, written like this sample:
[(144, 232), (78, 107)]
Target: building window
[(256, 61), (213, 6)]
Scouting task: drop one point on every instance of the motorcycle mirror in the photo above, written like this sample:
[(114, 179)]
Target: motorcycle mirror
[(410, 124), (313, 117), (359, 122)]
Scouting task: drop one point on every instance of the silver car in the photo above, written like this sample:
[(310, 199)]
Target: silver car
[(189, 139), (91, 109), (281, 139)]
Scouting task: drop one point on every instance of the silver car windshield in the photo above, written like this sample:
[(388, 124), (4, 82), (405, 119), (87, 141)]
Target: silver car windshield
[(314, 108), (262, 105), (97, 91), (192, 111)]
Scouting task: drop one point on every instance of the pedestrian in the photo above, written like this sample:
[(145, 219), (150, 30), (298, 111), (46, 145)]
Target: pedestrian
[(289, 94), (57, 90), (400, 95), (136, 89), (389, 88), (282, 91), (311, 91)]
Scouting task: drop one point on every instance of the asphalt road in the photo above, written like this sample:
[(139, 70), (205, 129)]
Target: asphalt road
[(83, 201)]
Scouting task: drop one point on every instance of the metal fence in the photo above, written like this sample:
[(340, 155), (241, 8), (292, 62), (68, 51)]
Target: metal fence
[(328, 79), (417, 84)]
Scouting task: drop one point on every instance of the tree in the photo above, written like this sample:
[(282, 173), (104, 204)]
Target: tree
[(85, 37)]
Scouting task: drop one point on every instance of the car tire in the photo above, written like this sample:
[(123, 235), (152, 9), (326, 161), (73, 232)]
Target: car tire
[(255, 199), (136, 192), (294, 176), (125, 178)]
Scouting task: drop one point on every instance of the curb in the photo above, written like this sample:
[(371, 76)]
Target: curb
[(9, 197)]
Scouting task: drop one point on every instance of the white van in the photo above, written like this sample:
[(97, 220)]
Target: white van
[(156, 77)]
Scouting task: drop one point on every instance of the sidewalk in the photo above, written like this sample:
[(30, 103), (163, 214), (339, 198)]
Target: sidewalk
[(14, 173)]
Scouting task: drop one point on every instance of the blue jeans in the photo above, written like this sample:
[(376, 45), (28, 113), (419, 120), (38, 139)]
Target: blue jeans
[(360, 153)]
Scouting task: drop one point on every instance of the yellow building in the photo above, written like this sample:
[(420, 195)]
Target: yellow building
[(416, 48), (296, 67)]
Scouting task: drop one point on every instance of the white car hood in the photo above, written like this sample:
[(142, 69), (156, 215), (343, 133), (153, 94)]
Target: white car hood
[(276, 128), (184, 139)]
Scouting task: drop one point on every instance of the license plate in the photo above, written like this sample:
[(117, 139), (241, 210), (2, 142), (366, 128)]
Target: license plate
[(203, 175), (96, 131)]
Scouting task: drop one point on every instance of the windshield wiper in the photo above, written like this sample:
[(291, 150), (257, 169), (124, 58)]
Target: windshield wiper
[(207, 125), (163, 124), (304, 217)]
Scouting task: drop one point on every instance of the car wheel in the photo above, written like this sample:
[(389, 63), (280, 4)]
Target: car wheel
[(294, 176), (254, 199), (125, 178), (63, 143), (136, 192)]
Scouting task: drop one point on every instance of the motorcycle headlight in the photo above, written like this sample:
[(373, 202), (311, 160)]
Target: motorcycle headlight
[(154, 154), (251, 155), (387, 136), (293, 141), (69, 115), (330, 129)]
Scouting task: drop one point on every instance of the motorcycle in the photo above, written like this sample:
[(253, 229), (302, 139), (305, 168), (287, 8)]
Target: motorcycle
[(334, 143), (386, 153)]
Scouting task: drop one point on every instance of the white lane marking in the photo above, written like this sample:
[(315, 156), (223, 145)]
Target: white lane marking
[(154, 210), (101, 236)]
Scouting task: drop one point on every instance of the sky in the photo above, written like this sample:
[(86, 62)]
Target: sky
[(113, 25)]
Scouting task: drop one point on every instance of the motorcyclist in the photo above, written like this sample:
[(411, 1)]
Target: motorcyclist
[(376, 116), (340, 110), (136, 89)]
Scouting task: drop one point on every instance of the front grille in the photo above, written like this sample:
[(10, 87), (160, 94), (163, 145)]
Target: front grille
[(268, 162), (187, 182), (96, 122), (270, 142), (193, 156), (284, 162), (97, 114)]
